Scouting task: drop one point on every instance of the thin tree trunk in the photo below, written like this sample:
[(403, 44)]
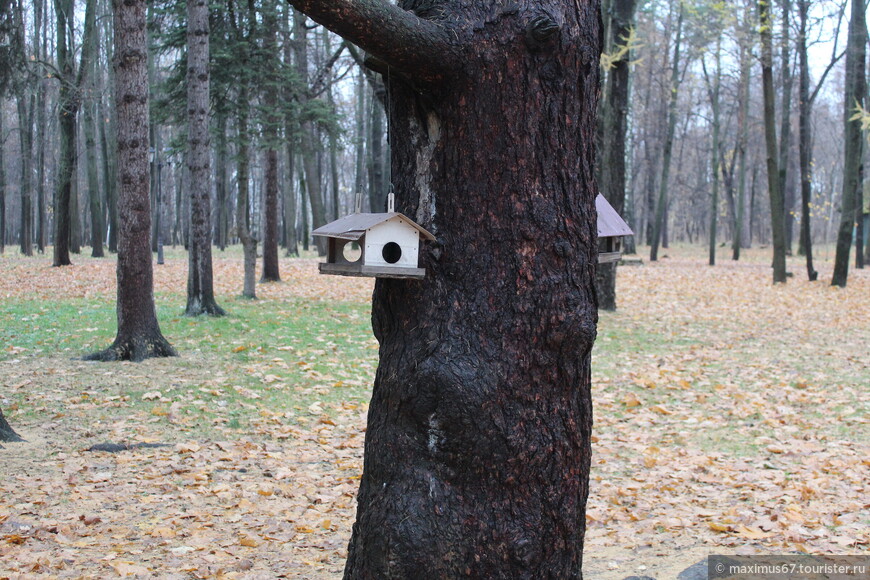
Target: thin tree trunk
[(855, 92), (289, 189), (360, 142), (787, 80), (613, 124), (303, 189), (309, 141), (40, 40), (271, 271), (139, 335), (806, 142), (221, 158), (249, 243), (2, 187), (660, 224), (713, 89), (25, 124), (774, 187), (96, 211), (378, 189), (200, 281), (742, 141)]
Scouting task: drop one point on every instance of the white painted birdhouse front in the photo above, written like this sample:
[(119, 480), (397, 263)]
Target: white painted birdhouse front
[(389, 246)]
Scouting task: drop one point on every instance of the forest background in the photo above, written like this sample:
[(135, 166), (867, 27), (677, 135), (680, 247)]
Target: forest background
[(329, 118), (275, 435)]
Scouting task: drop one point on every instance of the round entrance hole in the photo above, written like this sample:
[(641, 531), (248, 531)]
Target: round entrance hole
[(351, 252), (392, 252)]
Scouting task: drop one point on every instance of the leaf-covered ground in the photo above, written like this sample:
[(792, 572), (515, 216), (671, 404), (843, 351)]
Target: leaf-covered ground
[(731, 416)]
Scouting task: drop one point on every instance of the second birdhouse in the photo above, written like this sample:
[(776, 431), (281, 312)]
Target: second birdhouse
[(611, 229), (384, 245)]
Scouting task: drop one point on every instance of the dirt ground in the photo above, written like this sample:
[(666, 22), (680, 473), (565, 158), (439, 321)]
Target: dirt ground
[(280, 500)]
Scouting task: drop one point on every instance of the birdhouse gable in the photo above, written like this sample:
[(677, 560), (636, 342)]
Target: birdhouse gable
[(611, 229)]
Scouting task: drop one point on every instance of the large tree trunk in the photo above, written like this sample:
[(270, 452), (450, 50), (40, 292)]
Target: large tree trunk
[(856, 88), (478, 440), (774, 187), (139, 335), (200, 280)]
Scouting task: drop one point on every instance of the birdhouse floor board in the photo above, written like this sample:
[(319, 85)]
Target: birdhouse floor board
[(607, 257), (377, 271)]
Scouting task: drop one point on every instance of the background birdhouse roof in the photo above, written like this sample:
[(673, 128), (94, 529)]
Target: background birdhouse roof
[(610, 224), (354, 226)]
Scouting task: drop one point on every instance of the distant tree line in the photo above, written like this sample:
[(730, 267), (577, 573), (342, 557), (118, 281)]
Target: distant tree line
[(709, 98)]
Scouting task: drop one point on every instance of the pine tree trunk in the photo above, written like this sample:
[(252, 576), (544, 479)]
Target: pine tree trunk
[(200, 281), (139, 335), (478, 440), (271, 128)]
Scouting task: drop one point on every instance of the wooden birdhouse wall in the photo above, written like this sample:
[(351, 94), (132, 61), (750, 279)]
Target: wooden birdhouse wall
[(394, 231)]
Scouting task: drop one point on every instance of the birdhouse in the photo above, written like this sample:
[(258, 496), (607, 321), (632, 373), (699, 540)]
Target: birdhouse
[(611, 229), (385, 245)]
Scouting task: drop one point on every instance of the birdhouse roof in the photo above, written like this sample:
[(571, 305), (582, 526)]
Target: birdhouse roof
[(354, 226), (610, 224)]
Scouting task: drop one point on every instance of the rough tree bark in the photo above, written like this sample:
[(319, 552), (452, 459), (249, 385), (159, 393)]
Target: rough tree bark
[(774, 187), (139, 335), (478, 443), (200, 279)]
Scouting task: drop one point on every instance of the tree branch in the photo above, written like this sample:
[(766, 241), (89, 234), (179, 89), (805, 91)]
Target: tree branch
[(418, 49)]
